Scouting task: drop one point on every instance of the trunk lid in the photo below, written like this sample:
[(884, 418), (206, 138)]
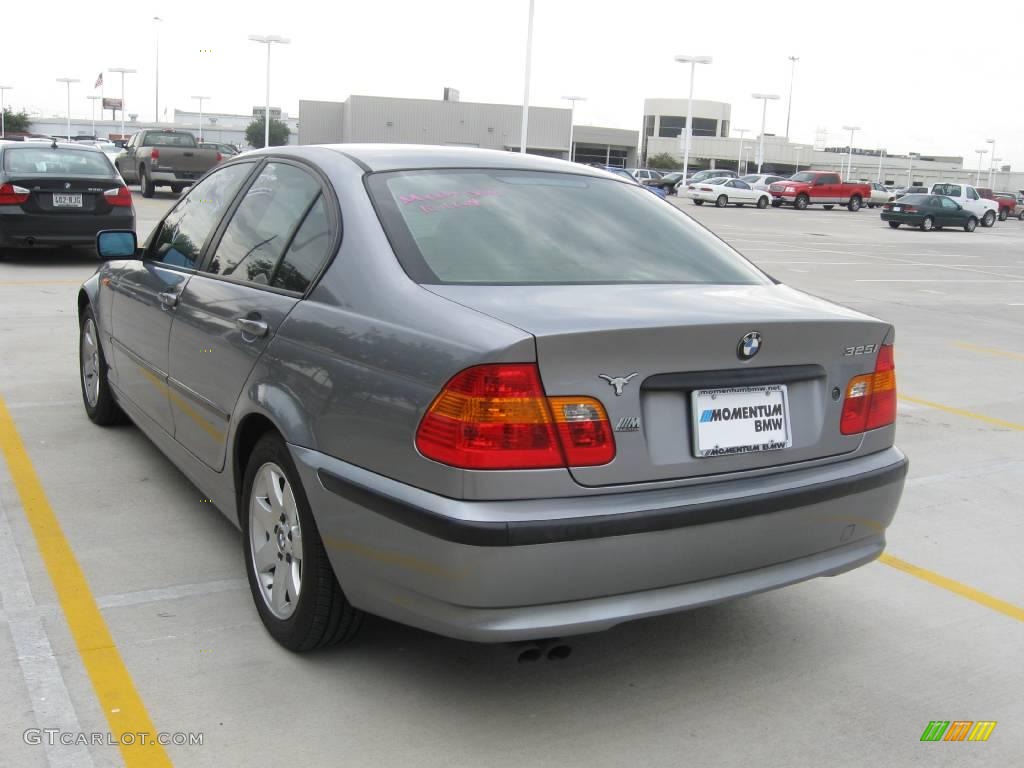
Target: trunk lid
[(678, 339), (183, 159), (44, 187)]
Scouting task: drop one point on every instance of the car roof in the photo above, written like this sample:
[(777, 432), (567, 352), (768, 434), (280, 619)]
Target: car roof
[(57, 144), (394, 157)]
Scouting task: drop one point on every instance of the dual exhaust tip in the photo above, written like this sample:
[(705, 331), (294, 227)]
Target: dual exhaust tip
[(552, 650)]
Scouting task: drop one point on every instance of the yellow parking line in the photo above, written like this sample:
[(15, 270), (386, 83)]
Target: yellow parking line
[(988, 350), (1003, 607), (124, 709), (965, 414)]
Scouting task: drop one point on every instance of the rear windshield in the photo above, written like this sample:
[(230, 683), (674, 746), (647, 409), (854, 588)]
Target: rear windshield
[(168, 139), (953, 190), (61, 162), (917, 200), (484, 226)]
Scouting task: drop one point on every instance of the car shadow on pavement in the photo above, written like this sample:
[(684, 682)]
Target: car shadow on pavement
[(49, 257)]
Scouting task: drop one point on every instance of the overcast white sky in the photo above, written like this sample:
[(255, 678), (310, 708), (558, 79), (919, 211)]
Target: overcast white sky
[(908, 73)]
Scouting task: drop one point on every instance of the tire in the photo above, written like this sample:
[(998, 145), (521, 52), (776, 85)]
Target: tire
[(854, 204), (176, 188), (928, 224), (722, 201), (698, 202), (801, 202), (988, 219), (828, 207), (776, 203), (740, 205), (1003, 214), (1020, 215), (971, 225), (100, 406), (871, 205), (320, 615), (762, 202), (145, 183), (894, 224)]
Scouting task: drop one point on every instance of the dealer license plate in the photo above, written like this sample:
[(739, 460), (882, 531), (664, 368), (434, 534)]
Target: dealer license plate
[(741, 420), (67, 201)]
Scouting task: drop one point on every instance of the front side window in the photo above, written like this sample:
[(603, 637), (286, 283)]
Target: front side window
[(482, 226), (185, 230), (264, 223)]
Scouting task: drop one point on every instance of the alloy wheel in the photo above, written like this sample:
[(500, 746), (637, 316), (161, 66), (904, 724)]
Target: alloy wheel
[(275, 540), (90, 355)]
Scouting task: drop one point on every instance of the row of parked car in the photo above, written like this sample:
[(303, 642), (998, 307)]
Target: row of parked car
[(826, 188)]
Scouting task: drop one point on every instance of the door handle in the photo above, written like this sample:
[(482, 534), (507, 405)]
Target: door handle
[(168, 299), (251, 327)]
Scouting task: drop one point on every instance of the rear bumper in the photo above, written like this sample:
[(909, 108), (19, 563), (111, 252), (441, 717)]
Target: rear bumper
[(174, 177), (497, 571), (21, 230)]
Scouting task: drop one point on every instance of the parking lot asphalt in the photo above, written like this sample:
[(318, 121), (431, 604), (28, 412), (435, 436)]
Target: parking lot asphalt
[(839, 672)]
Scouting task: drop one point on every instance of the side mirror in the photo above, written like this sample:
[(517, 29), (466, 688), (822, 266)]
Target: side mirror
[(116, 244)]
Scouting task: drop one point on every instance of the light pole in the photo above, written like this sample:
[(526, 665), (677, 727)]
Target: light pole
[(3, 128), (789, 107), (849, 152), (201, 99), (268, 40), (765, 98), (156, 105), (797, 169), (693, 61), (124, 71), (977, 178), (992, 160), (739, 155), (93, 100), (526, 83), (572, 118), (910, 168), (68, 81), (881, 154)]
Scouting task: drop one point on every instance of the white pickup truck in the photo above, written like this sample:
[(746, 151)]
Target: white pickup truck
[(969, 199)]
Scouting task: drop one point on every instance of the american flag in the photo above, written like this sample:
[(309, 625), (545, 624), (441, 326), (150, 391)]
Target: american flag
[(99, 81)]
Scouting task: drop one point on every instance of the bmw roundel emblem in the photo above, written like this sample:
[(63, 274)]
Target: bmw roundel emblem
[(749, 346)]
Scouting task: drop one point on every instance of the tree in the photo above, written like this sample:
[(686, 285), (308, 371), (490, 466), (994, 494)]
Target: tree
[(663, 161), (279, 133), (16, 122)]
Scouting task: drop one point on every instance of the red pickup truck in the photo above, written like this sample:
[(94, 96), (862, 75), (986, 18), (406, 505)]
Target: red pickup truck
[(1007, 203), (823, 188)]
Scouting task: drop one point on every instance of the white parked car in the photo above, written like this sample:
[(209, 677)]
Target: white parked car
[(968, 197), (761, 181), (880, 195), (725, 191)]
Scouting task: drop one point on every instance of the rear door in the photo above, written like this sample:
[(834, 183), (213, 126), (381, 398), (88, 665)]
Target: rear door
[(268, 251), (148, 290)]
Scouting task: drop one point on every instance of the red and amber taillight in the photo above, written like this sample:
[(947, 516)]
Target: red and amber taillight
[(498, 417), (870, 400), (12, 194), (119, 197)]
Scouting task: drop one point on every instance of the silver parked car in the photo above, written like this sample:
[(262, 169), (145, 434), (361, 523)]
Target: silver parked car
[(496, 396)]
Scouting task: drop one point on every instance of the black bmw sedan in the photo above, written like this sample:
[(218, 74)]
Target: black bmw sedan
[(59, 194), (928, 212)]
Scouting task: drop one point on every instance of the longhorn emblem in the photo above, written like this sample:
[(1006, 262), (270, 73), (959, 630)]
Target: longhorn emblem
[(618, 382)]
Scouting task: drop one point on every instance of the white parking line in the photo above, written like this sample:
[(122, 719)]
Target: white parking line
[(50, 701)]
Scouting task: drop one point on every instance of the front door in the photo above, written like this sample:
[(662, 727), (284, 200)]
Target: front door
[(147, 293), (231, 309)]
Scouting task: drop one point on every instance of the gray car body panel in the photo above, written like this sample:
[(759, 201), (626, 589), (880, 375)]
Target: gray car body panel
[(354, 364)]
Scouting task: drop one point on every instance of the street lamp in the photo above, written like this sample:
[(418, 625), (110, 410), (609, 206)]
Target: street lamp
[(693, 61), (977, 177), (765, 98), (124, 71), (881, 154), (572, 117), (849, 152), (68, 81), (910, 167), (156, 106), (201, 99), (992, 162), (797, 168), (3, 128), (268, 40), (789, 107), (739, 155), (526, 84), (93, 100)]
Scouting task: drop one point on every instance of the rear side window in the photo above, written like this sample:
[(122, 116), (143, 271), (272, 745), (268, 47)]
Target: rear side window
[(953, 190), (57, 162), (186, 229), (520, 227), (264, 223), (308, 251)]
